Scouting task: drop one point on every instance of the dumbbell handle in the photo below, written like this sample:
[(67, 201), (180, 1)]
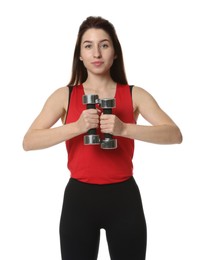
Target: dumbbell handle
[(107, 111), (91, 131)]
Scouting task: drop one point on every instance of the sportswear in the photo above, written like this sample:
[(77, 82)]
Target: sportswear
[(116, 208), (90, 163)]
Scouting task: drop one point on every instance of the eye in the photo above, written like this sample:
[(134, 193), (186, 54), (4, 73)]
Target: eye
[(88, 46), (104, 45)]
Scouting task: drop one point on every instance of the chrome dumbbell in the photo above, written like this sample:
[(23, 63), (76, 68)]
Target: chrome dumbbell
[(107, 104), (91, 138)]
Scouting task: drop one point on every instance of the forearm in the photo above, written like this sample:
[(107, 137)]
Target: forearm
[(160, 134), (43, 138)]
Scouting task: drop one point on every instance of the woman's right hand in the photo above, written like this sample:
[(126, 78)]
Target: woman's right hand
[(88, 119)]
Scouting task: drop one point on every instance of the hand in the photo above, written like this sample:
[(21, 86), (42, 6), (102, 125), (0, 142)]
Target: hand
[(88, 119), (111, 124)]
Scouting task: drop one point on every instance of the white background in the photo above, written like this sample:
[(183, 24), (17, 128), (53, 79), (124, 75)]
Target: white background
[(164, 50)]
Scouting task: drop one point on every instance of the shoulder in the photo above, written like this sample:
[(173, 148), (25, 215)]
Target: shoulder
[(136, 90), (57, 100), (141, 97), (59, 94)]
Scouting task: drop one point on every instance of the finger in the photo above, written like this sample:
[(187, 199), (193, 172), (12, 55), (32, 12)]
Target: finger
[(92, 111), (90, 114), (107, 117)]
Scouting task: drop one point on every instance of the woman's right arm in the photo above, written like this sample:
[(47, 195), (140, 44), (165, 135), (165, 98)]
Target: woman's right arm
[(41, 135)]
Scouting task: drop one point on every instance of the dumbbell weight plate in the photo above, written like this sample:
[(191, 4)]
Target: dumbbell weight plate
[(109, 143)]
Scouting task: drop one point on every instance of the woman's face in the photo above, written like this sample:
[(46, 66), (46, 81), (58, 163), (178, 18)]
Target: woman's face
[(97, 51)]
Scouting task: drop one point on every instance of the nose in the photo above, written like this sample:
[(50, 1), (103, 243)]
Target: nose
[(97, 52)]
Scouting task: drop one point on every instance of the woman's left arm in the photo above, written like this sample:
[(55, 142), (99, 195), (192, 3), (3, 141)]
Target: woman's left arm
[(162, 130)]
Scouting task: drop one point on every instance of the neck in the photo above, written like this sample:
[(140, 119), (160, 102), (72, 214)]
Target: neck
[(104, 87), (99, 83)]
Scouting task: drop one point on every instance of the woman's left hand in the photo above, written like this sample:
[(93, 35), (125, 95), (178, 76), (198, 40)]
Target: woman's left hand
[(111, 124)]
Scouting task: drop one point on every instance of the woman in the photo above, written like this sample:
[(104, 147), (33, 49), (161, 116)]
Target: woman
[(101, 192)]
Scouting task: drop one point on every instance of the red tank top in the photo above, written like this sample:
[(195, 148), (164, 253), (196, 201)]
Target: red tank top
[(90, 163)]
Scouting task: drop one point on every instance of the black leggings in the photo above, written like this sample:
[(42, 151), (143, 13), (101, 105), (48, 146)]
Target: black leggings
[(117, 208)]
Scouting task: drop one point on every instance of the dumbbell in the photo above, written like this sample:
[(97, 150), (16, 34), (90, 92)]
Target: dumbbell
[(91, 138), (107, 104)]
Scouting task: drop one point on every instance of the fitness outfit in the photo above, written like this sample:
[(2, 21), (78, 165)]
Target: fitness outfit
[(102, 192)]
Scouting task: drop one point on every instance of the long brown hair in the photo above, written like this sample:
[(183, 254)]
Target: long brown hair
[(117, 71)]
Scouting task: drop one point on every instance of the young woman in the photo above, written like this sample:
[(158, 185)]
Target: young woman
[(101, 192)]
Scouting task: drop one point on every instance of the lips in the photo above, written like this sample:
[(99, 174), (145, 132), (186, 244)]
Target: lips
[(97, 63)]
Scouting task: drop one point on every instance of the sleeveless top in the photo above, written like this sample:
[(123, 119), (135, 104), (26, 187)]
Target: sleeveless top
[(90, 163)]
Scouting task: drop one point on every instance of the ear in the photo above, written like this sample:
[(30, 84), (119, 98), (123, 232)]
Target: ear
[(115, 57), (80, 58)]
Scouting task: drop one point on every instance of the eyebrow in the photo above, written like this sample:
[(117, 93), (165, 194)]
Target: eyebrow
[(87, 41)]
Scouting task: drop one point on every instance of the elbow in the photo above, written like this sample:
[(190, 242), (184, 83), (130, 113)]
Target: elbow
[(26, 144), (174, 135), (180, 139), (178, 136)]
